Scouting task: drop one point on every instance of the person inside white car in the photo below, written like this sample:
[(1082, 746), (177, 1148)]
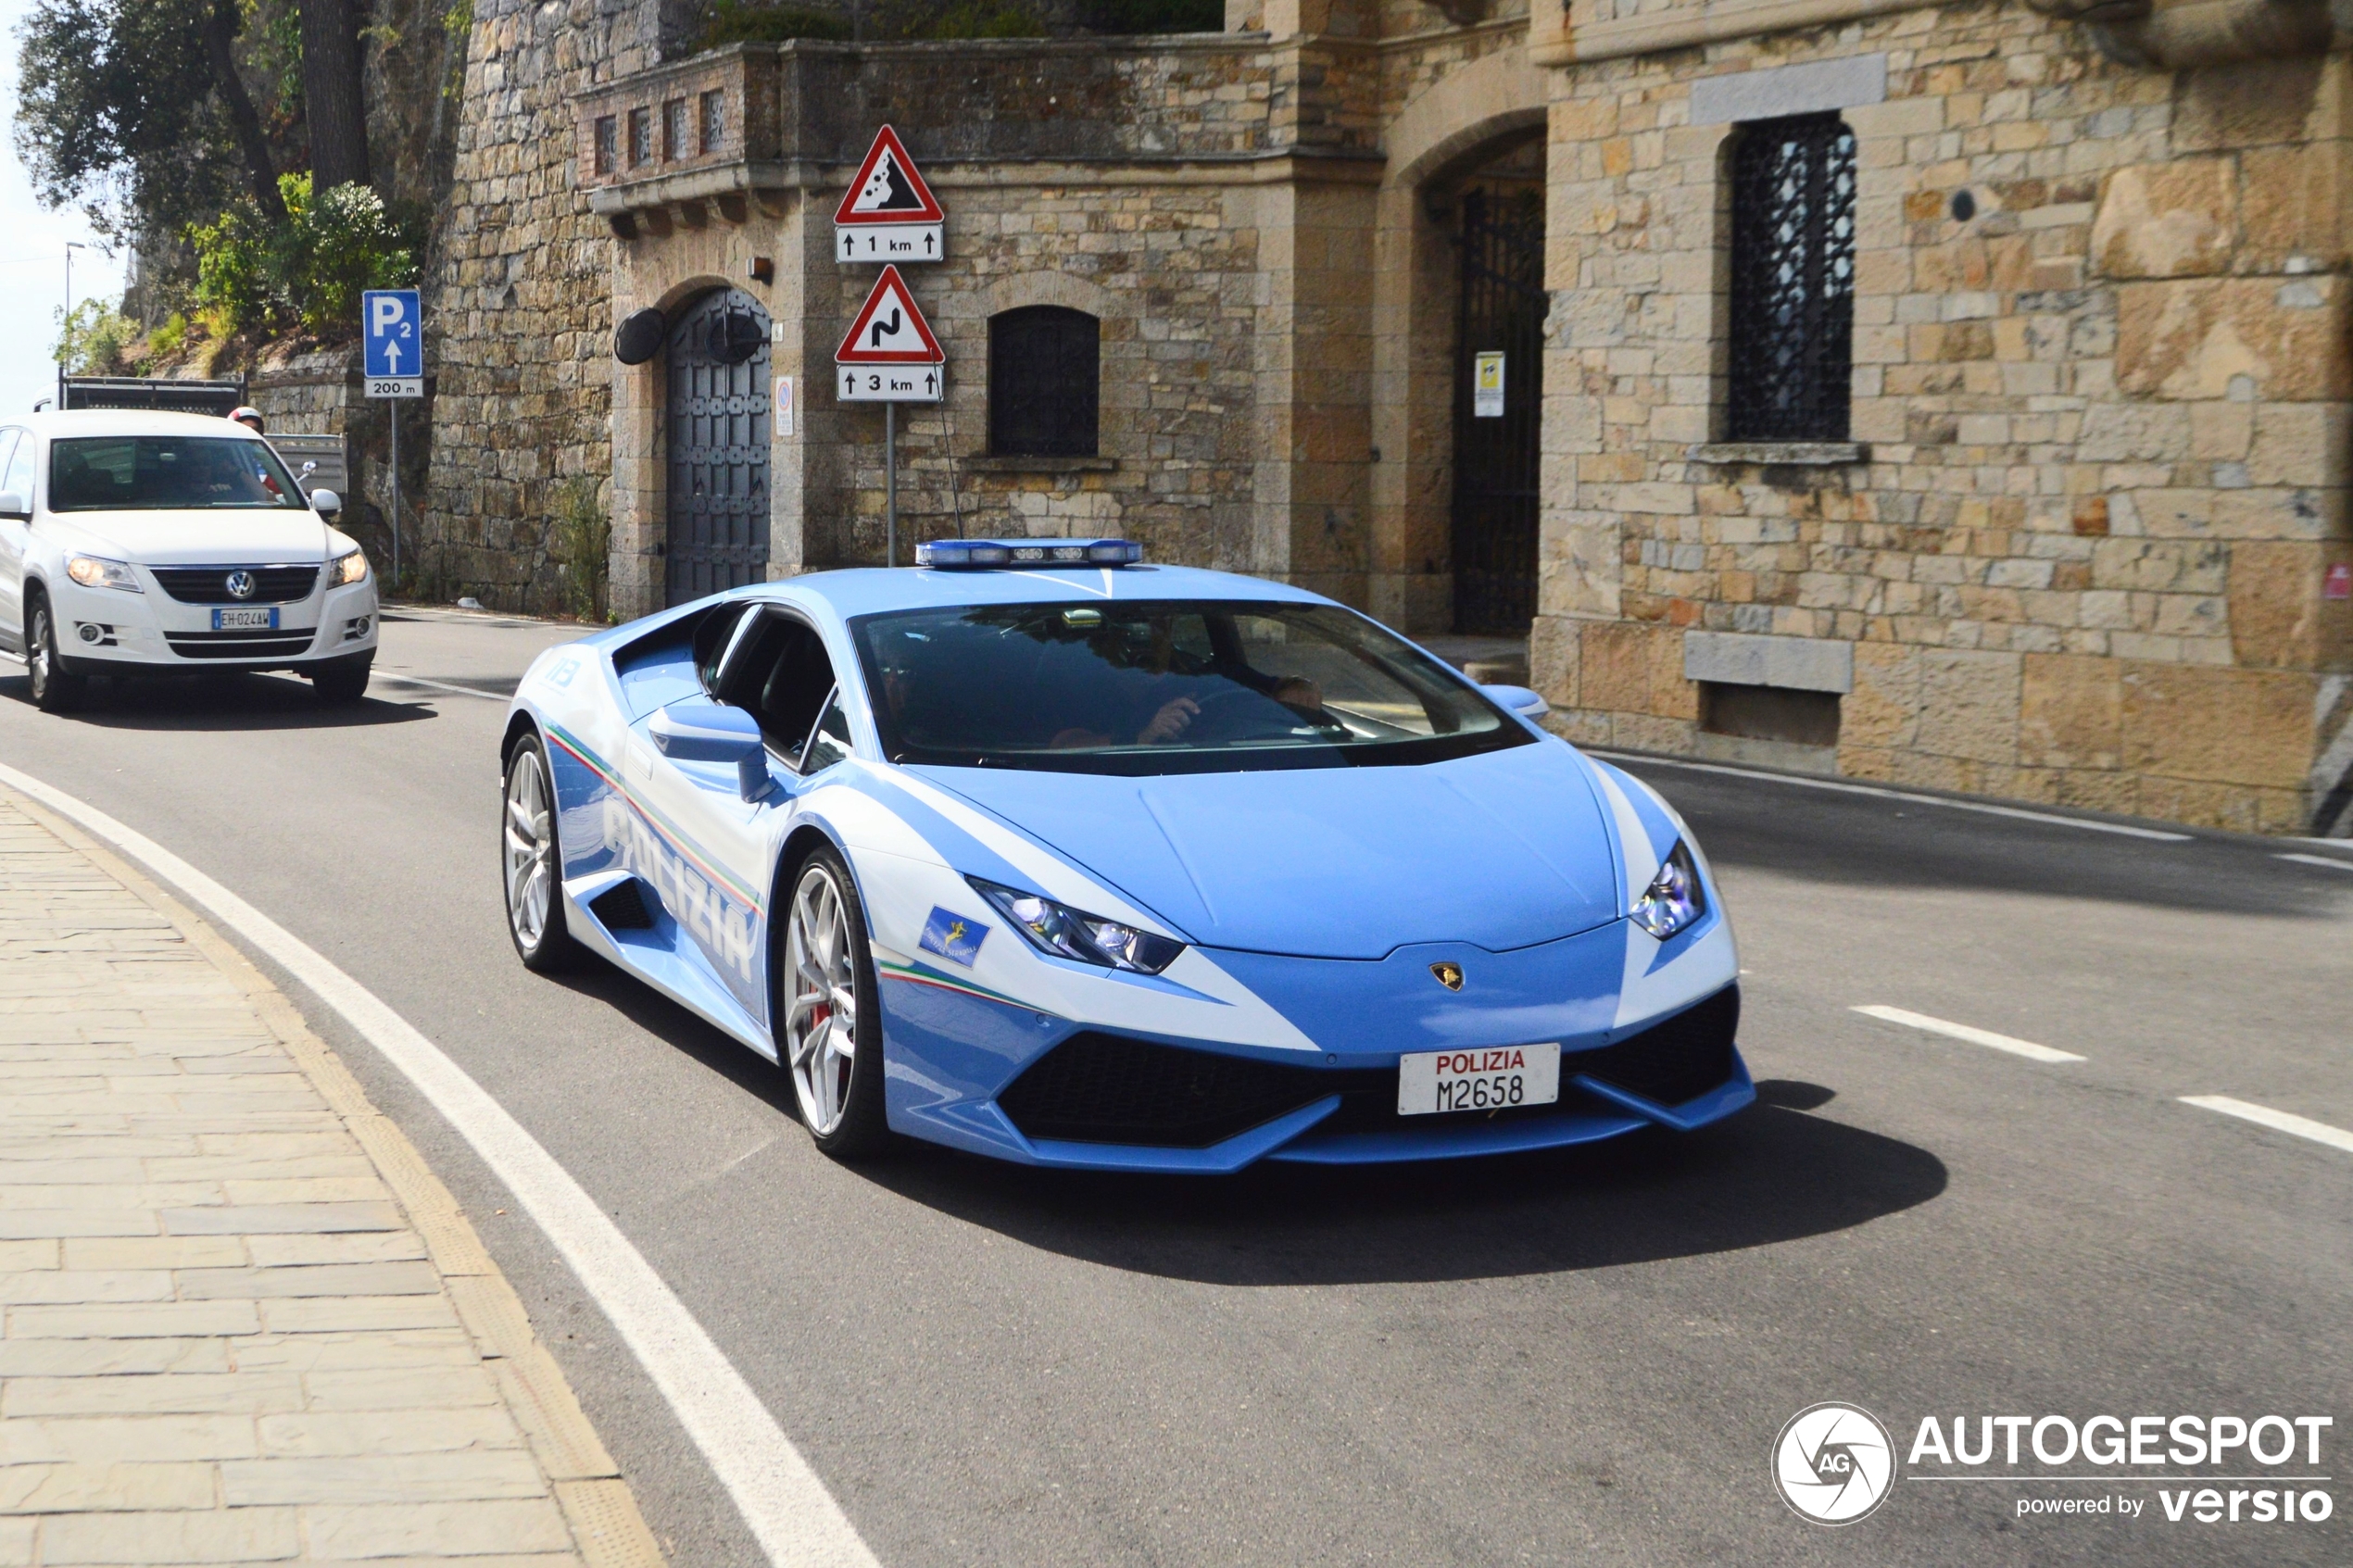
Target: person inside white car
[(138, 544)]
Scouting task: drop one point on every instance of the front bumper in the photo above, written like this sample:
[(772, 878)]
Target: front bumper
[(109, 632)]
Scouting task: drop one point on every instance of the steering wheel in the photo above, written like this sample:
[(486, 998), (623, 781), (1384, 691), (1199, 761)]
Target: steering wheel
[(1227, 714)]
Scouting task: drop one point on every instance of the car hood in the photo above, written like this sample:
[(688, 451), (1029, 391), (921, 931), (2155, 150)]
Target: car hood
[(196, 538), (1502, 850)]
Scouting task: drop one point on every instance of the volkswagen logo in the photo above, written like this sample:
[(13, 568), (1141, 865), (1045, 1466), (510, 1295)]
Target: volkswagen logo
[(1834, 1463), (241, 585), (1448, 974)]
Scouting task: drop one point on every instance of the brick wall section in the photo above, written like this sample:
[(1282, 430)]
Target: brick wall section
[(2106, 421)]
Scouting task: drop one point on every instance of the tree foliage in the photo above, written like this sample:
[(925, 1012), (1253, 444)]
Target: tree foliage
[(310, 268)]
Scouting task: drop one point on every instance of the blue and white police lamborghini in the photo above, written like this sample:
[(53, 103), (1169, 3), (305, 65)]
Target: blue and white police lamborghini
[(1047, 854)]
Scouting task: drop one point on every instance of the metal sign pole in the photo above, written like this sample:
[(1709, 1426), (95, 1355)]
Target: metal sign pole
[(890, 484), (391, 407)]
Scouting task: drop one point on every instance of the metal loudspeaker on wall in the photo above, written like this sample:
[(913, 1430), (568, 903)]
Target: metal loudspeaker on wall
[(639, 336), (716, 423)]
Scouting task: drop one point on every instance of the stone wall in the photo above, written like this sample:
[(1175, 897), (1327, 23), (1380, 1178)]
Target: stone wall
[(2104, 421)]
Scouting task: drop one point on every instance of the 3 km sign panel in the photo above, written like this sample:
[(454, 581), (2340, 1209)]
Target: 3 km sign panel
[(888, 213), (889, 354), (392, 339)]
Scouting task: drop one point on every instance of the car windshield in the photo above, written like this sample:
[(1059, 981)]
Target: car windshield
[(174, 472), (1164, 687)]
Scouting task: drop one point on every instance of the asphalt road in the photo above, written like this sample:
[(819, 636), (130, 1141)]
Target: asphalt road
[(1582, 1356)]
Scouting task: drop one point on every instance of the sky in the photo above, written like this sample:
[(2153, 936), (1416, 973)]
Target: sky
[(32, 253)]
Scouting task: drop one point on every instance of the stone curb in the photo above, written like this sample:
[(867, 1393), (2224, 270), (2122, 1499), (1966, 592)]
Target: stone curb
[(596, 1501)]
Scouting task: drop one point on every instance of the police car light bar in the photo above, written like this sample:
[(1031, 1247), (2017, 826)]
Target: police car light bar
[(972, 553)]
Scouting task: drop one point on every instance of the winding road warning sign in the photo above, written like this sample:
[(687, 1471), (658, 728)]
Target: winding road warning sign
[(888, 213), (889, 354)]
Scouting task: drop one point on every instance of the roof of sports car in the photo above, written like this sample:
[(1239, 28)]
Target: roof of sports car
[(866, 590)]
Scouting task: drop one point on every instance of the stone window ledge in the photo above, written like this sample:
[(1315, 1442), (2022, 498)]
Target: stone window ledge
[(1041, 465), (1782, 453)]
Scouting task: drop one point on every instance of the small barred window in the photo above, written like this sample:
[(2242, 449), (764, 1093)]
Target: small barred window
[(1793, 298), (714, 121), (641, 137), (608, 143), (1044, 382), (674, 145)]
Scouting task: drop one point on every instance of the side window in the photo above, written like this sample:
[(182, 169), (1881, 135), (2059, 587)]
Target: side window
[(829, 743), (1792, 305), (18, 472), (711, 640), (780, 672), (1044, 382)]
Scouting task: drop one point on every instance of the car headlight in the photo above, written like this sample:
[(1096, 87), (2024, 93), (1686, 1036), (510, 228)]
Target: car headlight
[(96, 572), (346, 568), (1674, 900), (1066, 932)]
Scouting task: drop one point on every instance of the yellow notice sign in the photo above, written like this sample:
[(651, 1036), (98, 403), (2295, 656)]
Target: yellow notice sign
[(1487, 385)]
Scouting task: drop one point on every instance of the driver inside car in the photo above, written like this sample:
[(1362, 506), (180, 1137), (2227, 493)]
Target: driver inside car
[(1172, 717)]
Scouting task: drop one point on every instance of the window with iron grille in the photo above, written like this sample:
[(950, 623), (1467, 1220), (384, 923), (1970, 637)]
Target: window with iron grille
[(714, 121), (1792, 298), (1044, 381), (674, 145), (641, 137), (608, 143)]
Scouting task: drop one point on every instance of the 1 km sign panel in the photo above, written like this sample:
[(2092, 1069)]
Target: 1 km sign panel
[(888, 213), (889, 354)]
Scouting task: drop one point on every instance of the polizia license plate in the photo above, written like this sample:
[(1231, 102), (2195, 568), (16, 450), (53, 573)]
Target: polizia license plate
[(253, 619), (1489, 1078)]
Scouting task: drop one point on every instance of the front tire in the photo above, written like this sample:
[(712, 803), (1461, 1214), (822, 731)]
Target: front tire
[(530, 863), (831, 1044), (342, 681), (55, 688)]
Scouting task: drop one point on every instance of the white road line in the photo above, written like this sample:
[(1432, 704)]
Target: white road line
[(788, 1510), (2011, 1044), (2278, 1120), (2316, 860), (437, 686), (1844, 788)]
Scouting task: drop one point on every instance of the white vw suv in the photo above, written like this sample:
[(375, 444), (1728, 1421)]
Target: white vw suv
[(137, 543)]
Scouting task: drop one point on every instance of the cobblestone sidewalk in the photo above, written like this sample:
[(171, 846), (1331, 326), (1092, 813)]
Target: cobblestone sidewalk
[(244, 1323)]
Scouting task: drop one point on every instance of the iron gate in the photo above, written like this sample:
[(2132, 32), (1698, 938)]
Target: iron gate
[(1503, 305), (718, 447)]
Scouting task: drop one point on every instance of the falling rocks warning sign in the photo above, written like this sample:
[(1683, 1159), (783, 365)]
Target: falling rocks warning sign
[(888, 214)]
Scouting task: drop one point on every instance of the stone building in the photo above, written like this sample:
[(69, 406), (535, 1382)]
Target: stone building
[(1948, 394)]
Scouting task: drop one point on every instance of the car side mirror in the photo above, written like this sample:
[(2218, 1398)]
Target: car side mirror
[(1520, 699), (326, 503), (696, 731), (16, 504)]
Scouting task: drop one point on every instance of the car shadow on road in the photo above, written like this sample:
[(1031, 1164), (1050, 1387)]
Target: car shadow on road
[(224, 702), (1773, 1174)]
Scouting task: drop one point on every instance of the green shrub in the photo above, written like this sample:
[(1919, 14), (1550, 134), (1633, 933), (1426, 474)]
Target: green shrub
[(983, 18), (755, 21), (97, 340), (234, 268), (581, 545), (252, 272)]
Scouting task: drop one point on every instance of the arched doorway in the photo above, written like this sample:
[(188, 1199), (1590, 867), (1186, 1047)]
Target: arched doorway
[(716, 421), (1498, 417)]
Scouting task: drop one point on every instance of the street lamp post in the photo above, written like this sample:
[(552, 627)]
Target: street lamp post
[(65, 330)]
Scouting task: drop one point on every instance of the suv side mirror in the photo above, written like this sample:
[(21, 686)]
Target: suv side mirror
[(16, 504), (326, 503), (696, 731)]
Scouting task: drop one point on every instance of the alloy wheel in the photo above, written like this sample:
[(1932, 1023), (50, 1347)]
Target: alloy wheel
[(38, 672), (821, 1027), (530, 874)]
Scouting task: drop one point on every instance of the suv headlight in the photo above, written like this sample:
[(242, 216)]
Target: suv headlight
[(1674, 900), (1066, 932), (346, 568), (96, 572)]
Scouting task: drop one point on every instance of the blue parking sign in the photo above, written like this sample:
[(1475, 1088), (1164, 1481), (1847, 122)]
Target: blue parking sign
[(392, 338)]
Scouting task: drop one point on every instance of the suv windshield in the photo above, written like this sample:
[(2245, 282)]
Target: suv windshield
[(1164, 687), (156, 473)]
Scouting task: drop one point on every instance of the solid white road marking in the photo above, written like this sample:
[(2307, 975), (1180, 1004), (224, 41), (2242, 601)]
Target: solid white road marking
[(2318, 860), (787, 1507), (439, 685), (2278, 1120), (2016, 1046), (1843, 788)]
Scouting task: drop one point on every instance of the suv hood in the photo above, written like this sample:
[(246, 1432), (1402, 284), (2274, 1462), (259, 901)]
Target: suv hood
[(222, 536), (1502, 850)]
